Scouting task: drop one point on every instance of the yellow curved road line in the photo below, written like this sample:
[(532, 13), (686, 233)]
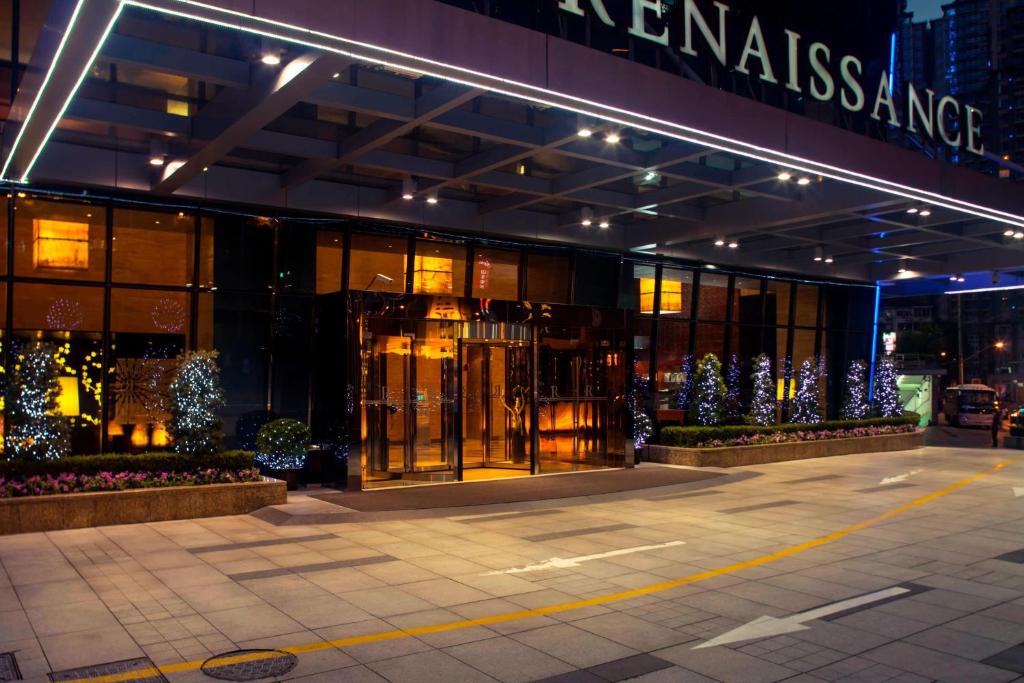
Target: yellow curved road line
[(560, 607)]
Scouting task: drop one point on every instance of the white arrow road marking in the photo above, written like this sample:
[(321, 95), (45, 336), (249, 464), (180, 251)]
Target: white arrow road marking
[(1018, 491), (899, 477), (568, 563), (767, 627)]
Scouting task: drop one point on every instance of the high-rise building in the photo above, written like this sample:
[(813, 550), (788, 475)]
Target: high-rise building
[(1010, 84)]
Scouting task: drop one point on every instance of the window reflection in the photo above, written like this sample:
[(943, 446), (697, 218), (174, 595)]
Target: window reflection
[(676, 292), (496, 274), (153, 248), (377, 263), (55, 239), (714, 293), (439, 268), (547, 278), (330, 247)]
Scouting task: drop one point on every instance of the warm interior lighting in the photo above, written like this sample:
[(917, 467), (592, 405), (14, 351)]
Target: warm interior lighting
[(785, 176), (114, 429), (177, 107), (67, 400), (719, 242), (140, 436), (671, 296), (1000, 345), (432, 275), (520, 168), (160, 436), (584, 132), (270, 59), (804, 181), (60, 244), (613, 138)]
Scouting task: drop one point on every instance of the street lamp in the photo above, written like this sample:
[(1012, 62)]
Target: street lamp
[(998, 346)]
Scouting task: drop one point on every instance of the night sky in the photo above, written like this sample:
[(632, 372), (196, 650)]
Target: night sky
[(926, 9)]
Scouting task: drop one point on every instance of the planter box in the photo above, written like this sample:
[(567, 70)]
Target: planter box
[(103, 508), (738, 456)]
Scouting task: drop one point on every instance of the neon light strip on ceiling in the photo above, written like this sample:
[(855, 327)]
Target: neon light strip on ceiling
[(544, 96), (986, 289)]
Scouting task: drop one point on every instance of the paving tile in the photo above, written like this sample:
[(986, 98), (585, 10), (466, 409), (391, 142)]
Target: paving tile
[(760, 506), (630, 667), (1011, 659), (249, 623), (724, 664), (575, 646), (554, 535), (936, 665), (508, 660)]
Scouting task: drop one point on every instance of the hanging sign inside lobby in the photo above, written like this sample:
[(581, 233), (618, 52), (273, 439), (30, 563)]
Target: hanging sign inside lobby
[(808, 68)]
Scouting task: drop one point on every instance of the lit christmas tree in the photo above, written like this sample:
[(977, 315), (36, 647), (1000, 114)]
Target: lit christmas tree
[(35, 430), (708, 391), (686, 390), (643, 426), (733, 401), (195, 396), (806, 407), (283, 444), (762, 400), (855, 393), (886, 399)]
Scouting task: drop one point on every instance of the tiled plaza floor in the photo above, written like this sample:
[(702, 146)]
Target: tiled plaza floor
[(179, 592)]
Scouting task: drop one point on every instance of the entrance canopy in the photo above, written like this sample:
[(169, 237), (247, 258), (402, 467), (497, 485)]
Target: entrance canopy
[(419, 112)]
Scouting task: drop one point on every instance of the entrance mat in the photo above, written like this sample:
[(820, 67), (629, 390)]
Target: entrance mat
[(516, 490), (112, 669)]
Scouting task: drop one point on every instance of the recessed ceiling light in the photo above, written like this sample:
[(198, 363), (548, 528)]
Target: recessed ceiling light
[(336, 74), (711, 266), (719, 243), (952, 278), (605, 224), (613, 138), (733, 245), (804, 181), (912, 210), (1008, 233), (785, 175), (431, 200), (587, 222), (829, 259), (960, 278), (902, 269), (818, 258), (407, 196), (584, 132), (926, 212), (1018, 235), (271, 59), (156, 161)]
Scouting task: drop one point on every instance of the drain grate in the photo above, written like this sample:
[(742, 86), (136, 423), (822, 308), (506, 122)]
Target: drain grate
[(143, 665), (9, 670), (249, 665)]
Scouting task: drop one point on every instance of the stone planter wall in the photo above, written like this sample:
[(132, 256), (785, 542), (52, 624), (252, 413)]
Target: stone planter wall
[(738, 456), (78, 510)]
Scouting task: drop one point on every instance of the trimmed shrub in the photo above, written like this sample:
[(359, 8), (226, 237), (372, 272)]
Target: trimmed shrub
[(282, 444), (690, 437), (119, 462)]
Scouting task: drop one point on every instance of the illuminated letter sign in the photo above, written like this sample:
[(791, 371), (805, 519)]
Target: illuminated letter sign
[(814, 68)]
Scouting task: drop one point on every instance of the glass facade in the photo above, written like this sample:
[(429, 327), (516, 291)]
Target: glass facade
[(431, 359)]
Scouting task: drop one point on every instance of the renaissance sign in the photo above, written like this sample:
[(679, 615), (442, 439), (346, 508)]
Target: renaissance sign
[(814, 70)]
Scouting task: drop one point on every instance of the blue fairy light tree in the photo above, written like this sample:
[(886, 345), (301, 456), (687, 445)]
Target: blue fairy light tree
[(806, 404), (762, 400), (855, 392), (733, 401), (686, 389), (195, 397), (35, 428), (886, 399), (708, 391)]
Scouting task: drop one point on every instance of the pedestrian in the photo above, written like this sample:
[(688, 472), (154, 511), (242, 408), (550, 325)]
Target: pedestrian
[(997, 424)]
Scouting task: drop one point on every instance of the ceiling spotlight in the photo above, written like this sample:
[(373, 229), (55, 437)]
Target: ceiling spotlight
[(829, 259), (734, 245), (271, 59), (586, 216), (1018, 235), (1008, 233), (605, 224), (584, 132), (818, 254), (156, 161), (804, 181), (784, 176), (651, 176), (960, 278), (157, 152), (408, 188), (902, 270), (711, 266), (952, 278), (432, 198), (912, 210), (407, 196), (719, 242), (925, 213), (613, 138), (335, 74)]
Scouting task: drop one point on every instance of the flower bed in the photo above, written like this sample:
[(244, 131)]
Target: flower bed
[(802, 435), (69, 482), (700, 437)]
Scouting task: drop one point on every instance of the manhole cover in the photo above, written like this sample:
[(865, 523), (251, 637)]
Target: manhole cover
[(249, 665), (143, 666), (9, 667)]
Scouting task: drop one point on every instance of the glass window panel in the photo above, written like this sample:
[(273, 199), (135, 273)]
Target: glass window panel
[(496, 274), (4, 202), (330, 248), (714, 292), (747, 303), (242, 336), (643, 288), (58, 307), (377, 263), (676, 292), (776, 305), (243, 253), (673, 347), (148, 330), (710, 339), (296, 258), (806, 305), (206, 252), (55, 239), (153, 248), (547, 278), (439, 268)]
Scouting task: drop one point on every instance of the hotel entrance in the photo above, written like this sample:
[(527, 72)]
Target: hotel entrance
[(468, 400)]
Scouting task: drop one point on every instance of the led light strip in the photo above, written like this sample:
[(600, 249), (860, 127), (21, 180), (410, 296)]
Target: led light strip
[(986, 289), (74, 90), (42, 88), (691, 135)]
